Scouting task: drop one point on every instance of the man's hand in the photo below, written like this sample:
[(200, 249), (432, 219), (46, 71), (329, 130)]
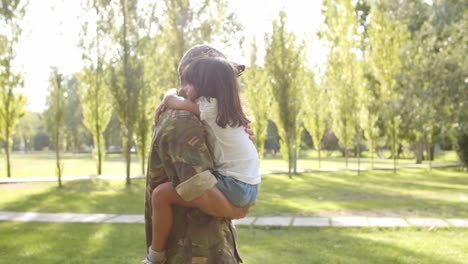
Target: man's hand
[(161, 108), (241, 212)]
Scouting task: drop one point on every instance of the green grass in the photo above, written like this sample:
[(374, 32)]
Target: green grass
[(310, 160), (410, 192), (43, 164), (124, 243)]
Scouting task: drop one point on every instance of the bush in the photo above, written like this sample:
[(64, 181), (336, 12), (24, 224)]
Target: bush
[(41, 140), (462, 148)]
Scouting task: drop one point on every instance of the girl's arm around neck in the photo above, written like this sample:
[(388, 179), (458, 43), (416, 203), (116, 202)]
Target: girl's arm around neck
[(180, 103)]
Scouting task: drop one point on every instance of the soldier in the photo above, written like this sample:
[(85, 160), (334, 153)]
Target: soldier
[(179, 154)]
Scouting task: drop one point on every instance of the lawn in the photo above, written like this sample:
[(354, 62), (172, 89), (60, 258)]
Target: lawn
[(124, 243), (43, 164), (411, 192)]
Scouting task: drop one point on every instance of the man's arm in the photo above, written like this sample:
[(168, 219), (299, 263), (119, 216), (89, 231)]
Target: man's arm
[(213, 202)]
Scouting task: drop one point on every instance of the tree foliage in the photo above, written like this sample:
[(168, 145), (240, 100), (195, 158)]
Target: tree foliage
[(387, 37), (56, 114), (284, 60), (316, 109), (12, 102), (343, 75), (258, 96), (95, 43)]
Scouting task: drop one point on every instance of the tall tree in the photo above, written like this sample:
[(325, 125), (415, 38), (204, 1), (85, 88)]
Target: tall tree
[(284, 60), (127, 74), (258, 96), (386, 40), (316, 111), (186, 23), (94, 84), (343, 71), (56, 114), (12, 102), (28, 126), (76, 132), (433, 73), (150, 90)]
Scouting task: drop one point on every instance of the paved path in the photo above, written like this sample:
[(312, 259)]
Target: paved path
[(139, 176), (350, 221)]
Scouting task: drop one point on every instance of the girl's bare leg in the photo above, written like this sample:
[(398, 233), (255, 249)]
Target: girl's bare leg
[(212, 202)]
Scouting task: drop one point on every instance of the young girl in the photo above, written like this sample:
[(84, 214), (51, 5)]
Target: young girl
[(211, 87)]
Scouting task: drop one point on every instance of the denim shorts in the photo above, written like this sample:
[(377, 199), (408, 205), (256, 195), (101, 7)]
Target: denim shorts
[(237, 192)]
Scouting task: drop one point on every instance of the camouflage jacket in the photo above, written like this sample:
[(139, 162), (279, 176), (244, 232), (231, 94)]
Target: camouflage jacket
[(179, 154)]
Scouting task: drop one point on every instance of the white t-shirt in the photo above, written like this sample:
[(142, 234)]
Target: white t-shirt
[(234, 154)]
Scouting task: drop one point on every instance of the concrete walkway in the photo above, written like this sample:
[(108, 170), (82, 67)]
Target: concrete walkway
[(350, 221), (263, 172)]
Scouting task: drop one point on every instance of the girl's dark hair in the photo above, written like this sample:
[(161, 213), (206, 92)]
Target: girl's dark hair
[(216, 78)]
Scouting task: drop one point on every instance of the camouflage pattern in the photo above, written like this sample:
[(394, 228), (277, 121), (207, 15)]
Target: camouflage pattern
[(179, 154)]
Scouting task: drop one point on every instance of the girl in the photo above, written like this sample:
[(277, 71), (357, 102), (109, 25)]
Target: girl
[(211, 87)]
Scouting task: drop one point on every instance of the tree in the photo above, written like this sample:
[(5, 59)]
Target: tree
[(56, 114), (28, 126), (12, 107), (386, 40), (94, 80), (316, 111), (76, 133), (258, 96), (283, 63), (185, 24), (343, 75), (150, 89), (126, 75)]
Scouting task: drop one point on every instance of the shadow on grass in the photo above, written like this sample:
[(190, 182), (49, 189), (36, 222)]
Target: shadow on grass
[(85, 196), (71, 243), (124, 243), (410, 191), (338, 245)]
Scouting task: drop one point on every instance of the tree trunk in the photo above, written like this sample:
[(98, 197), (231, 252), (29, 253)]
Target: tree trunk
[(128, 160), (100, 157), (359, 155), (319, 157), (294, 160), (127, 88), (8, 150), (142, 150), (418, 152), (57, 157)]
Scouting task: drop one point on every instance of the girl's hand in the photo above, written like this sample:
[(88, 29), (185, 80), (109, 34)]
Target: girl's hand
[(251, 134), (172, 101)]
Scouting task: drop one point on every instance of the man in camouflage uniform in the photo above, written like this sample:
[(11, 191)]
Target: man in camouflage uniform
[(179, 154)]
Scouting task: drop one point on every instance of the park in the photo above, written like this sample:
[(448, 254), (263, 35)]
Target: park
[(355, 111)]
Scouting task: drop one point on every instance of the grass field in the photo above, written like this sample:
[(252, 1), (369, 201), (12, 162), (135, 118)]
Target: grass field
[(124, 243), (43, 164), (410, 192)]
